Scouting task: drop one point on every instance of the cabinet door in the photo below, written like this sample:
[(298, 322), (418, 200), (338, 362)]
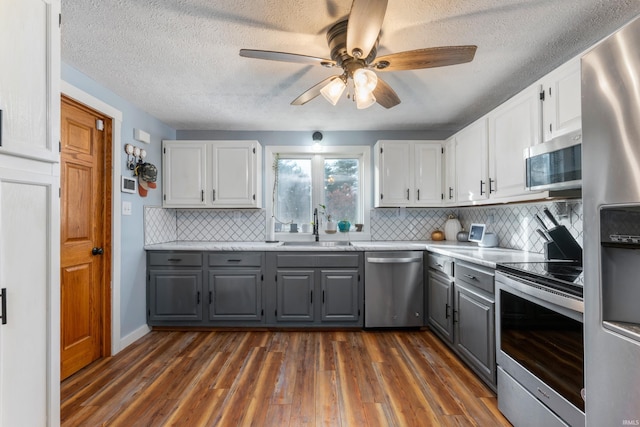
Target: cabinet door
[(175, 295), (440, 309), (235, 294), (339, 295), (562, 109), (395, 169), (184, 176), (450, 171), (471, 162), (234, 174), (513, 127), (427, 173), (294, 294), (475, 330)]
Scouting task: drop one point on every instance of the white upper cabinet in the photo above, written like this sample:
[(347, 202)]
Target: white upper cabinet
[(513, 127), (561, 108), (408, 173), (427, 173), (471, 163), (211, 174), (235, 178), (184, 173), (450, 171)]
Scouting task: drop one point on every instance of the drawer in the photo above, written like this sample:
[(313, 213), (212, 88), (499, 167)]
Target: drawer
[(441, 263), (337, 260), (475, 275), (235, 259), (176, 259)]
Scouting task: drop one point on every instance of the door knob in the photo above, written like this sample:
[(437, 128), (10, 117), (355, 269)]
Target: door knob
[(97, 251)]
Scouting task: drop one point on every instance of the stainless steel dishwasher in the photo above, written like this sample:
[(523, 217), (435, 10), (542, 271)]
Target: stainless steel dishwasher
[(393, 289)]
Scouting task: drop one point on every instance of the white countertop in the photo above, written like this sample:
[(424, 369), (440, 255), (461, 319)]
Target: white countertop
[(465, 251)]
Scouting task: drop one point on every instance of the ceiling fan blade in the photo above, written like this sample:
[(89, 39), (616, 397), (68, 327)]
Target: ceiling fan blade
[(385, 96), (365, 21), (286, 57), (425, 58), (313, 92)]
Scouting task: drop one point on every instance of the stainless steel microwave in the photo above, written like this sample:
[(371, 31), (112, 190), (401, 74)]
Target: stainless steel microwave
[(556, 164)]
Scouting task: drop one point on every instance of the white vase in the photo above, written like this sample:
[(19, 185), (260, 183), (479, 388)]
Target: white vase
[(451, 228), (331, 227)]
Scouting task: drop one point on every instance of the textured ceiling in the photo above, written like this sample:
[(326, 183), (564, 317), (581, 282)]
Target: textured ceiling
[(178, 59)]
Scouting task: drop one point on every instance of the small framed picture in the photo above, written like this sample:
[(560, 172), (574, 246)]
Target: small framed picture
[(129, 185)]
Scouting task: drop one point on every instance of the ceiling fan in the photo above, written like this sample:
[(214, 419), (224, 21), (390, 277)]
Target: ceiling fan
[(353, 43)]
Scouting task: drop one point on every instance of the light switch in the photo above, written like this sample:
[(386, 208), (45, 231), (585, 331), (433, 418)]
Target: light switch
[(126, 208)]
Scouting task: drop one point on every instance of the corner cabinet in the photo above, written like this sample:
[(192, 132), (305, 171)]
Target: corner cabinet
[(212, 174), (408, 173)]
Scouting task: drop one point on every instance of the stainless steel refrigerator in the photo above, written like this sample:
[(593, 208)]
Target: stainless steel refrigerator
[(611, 195)]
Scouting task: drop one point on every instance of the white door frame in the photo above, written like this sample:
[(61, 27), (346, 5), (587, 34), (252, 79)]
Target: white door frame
[(81, 96)]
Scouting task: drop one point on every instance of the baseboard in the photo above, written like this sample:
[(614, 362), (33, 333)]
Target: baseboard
[(133, 337)]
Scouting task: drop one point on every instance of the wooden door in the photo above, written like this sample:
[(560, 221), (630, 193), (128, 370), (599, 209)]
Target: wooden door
[(85, 165)]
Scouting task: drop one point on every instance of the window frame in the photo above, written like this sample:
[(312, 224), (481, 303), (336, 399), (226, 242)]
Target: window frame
[(361, 152)]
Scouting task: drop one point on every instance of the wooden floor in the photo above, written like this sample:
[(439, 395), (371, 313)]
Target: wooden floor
[(280, 378)]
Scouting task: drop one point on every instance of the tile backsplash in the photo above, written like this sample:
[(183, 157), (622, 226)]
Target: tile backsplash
[(514, 223)]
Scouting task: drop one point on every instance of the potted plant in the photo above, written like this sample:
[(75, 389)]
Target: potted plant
[(331, 226)]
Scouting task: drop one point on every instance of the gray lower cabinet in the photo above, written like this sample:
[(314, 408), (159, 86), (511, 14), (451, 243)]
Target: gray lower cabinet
[(461, 311), (204, 289), (174, 288), (314, 289), (234, 284), (440, 304), (474, 319), (294, 293)]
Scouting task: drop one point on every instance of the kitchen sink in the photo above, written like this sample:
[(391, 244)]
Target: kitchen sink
[(325, 244)]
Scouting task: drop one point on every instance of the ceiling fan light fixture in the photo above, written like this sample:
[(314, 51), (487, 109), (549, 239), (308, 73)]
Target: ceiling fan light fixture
[(364, 98), (365, 79), (333, 91)]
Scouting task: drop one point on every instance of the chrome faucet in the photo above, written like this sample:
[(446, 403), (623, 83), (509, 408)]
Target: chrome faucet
[(316, 226)]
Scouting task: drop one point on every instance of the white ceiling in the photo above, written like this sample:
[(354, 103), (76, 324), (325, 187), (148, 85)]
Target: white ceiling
[(178, 59)]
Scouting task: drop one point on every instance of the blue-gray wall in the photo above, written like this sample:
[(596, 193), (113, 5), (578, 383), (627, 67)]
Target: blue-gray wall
[(132, 280)]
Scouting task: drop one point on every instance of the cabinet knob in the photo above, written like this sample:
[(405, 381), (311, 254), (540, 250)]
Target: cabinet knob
[(97, 251)]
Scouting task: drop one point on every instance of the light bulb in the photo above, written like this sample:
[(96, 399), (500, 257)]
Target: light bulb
[(333, 90), (365, 79), (364, 98)]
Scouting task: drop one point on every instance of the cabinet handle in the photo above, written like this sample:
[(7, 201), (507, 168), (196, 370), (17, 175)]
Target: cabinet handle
[(454, 316), (311, 297), (482, 187), (450, 193), (468, 276), (446, 311), (214, 195), (198, 298), (491, 189), (407, 194), (210, 297), (3, 315), (323, 297), (234, 260), (202, 195), (418, 194), (174, 259)]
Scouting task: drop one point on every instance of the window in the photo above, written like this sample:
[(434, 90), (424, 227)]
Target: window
[(304, 180)]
